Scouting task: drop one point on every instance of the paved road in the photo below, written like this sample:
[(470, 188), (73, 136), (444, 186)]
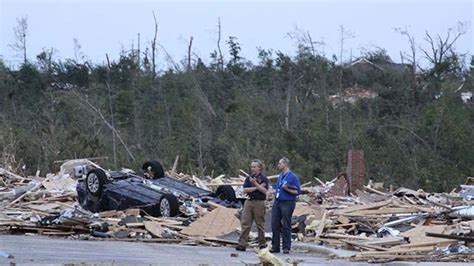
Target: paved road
[(39, 250), (34, 250)]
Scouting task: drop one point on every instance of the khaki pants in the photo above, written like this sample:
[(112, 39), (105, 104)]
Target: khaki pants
[(253, 210)]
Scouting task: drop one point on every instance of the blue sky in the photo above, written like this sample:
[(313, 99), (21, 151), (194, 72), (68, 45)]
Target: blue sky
[(110, 26)]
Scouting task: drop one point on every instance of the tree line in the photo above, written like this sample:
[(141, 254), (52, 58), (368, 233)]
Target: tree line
[(416, 132)]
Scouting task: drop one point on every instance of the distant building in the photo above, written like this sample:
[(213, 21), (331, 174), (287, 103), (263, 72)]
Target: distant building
[(364, 65)]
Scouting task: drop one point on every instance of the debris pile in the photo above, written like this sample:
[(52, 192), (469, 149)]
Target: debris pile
[(388, 226), (49, 206), (378, 225)]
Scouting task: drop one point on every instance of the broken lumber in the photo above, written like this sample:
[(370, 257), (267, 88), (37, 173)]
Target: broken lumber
[(460, 238)]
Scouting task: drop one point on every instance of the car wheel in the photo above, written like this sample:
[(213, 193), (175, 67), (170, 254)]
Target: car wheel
[(168, 206), (95, 181), (226, 192), (154, 169)]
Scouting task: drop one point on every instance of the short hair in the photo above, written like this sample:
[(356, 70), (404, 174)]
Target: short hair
[(285, 160), (260, 163)]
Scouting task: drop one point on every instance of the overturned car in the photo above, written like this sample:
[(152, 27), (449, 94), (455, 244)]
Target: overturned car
[(149, 190)]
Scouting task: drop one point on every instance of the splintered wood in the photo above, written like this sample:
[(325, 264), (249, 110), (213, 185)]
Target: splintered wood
[(400, 225)]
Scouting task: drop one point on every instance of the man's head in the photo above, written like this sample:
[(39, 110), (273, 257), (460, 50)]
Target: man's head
[(284, 164), (256, 166)]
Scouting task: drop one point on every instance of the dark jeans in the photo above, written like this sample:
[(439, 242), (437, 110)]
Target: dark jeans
[(281, 222)]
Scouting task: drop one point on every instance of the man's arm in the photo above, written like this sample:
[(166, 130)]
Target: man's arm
[(248, 186), (289, 190), (293, 186), (250, 189), (261, 187)]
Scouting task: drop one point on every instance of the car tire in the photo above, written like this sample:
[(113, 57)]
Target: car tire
[(95, 180), (168, 206), (155, 167), (226, 192)]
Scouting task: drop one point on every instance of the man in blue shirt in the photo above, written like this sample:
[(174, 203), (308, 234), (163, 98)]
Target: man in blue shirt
[(287, 189)]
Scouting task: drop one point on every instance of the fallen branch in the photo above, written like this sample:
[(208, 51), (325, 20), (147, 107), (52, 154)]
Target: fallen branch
[(111, 128)]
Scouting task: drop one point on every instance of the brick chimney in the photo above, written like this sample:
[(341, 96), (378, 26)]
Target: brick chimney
[(355, 169)]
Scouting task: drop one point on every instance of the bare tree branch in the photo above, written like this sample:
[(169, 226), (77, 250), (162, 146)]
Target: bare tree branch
[(189, 52), (170, 59), (111, 110), (107, 123), (20, 32), (153, 49), (221, 58)]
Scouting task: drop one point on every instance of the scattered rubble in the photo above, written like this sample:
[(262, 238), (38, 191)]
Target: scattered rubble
[(49, 206), (387, 226), (381, 225)]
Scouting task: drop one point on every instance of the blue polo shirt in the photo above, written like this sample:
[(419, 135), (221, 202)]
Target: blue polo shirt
[(292, 181)]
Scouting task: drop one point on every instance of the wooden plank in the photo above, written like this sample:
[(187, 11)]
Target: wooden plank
[(42, 229), (343, 219), (223, 241), (134, 224), (386, 241), (134, 212), (48, 207), (330, 241), (341, 236), (439, 204), (384, 211), (272, 177), (366, 246), (175, 165), (154, 228), (57, 198), (218, 222), (321, 224), (10, 174), (425, 244), (378, 185), (69, 206), (302, 208), (389, 257), (153, 240), (363, 207), (460, 238), (417, 235), (375, 191), (106, 214), (174, 227), (320, 182), (161, 240), (38, 185), (57, 233), (214, 205), (245, 173), (409, 200), (397, 251), (167, 221), (340, 225), (369, 197)]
